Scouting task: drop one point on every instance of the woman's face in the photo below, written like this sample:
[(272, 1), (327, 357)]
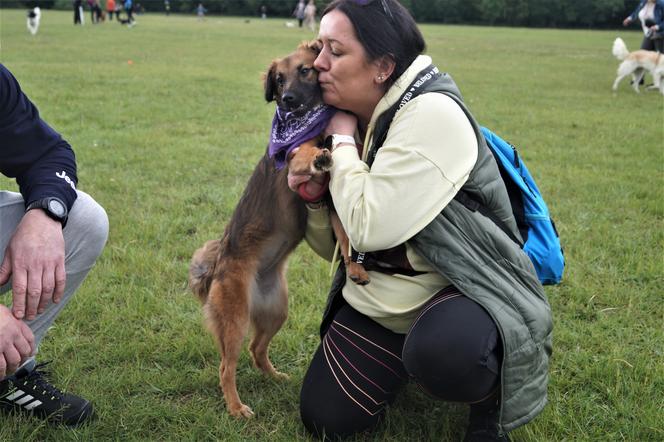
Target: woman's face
[(347, 79)]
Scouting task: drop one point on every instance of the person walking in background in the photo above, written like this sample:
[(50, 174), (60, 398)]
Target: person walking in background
[(651, 15), (97, 11), (263, 12), (110, 9), (49, 216), (310, 16), (119, 7), (78, 6), (200, 12), (298, 12), (167, 7), (129, 9), (91, 6)]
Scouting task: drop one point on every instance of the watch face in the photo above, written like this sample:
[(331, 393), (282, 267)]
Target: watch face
[(56, 208)]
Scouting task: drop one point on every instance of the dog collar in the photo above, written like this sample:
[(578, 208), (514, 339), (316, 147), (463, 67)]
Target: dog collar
[(290, 131)]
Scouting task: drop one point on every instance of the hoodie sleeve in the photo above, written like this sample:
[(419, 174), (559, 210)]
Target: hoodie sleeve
[(659, 15), (42, 162), (319, 234)]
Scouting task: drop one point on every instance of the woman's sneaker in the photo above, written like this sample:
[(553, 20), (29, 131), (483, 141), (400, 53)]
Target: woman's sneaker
[(29, 392)]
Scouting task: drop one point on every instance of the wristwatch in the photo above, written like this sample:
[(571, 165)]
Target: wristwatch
[(53, 207), (334, 140)]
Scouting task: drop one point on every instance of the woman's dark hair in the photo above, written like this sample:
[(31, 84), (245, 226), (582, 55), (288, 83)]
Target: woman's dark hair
[(384, 28)]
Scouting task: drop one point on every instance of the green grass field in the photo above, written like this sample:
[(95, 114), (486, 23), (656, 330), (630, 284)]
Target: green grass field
[(168, 119)]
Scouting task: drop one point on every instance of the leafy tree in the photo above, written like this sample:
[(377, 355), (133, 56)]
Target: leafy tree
[(540, 13), (44, 4), (493, 11)]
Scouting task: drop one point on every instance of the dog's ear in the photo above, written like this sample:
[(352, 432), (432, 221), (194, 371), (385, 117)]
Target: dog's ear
[(314, 45), (270, 82)]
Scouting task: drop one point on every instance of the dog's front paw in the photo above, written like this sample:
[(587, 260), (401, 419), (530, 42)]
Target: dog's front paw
[(323, 161), (358, 274)]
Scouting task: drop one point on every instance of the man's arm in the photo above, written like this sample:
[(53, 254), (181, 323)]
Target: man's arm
[(42, 162), (44, 166)]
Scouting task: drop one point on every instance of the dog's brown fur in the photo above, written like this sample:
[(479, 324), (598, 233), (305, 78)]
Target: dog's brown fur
[(240, 278)]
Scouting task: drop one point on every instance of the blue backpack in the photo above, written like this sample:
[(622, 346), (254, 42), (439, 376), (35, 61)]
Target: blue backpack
[(540, 238)]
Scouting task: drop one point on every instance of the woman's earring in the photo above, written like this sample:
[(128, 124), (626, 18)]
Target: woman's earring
[(380, 78)]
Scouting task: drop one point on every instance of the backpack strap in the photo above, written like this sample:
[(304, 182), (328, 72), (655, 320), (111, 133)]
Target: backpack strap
[(473, 205), (419, 86)]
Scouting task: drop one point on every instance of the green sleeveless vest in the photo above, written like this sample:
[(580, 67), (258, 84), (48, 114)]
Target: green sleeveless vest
[(487, 266)]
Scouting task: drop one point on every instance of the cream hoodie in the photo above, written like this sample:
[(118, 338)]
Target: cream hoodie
[(426, 158)]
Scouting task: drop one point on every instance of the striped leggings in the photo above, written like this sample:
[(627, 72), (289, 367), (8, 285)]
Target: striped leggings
[(453, 351)]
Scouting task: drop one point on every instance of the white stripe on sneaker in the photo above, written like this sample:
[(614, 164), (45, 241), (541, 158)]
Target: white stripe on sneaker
[(24, 399), (32, 405), (16, 394)]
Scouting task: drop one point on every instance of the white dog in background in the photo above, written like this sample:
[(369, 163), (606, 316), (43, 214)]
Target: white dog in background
[(34, 16), (637, 63)]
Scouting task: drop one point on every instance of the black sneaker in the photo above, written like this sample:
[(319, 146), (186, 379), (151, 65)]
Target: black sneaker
[(483, 423), (29, 392)]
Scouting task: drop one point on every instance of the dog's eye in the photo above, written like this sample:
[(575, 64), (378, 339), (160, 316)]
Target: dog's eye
[(305, 71), (280, 80)]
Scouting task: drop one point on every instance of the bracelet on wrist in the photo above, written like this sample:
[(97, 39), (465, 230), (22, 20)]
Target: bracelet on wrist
[(335, 140)]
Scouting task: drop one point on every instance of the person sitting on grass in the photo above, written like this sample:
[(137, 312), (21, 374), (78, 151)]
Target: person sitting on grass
[(50, 237), (454, 303)]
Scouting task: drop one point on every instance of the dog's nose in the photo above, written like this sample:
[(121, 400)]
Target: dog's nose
[(288, 98)]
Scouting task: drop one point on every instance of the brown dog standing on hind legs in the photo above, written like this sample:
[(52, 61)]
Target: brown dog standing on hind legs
[(240, 278)]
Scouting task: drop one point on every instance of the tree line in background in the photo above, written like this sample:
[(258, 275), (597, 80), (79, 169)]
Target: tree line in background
[(529, 13)]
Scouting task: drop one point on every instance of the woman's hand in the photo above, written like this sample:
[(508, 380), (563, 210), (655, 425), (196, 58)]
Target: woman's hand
[(627, 21), (342, 123)]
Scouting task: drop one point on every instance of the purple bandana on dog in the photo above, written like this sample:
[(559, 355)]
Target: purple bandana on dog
[(289, 131)]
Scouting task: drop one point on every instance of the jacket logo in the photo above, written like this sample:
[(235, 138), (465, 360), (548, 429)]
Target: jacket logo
[(64, 176)]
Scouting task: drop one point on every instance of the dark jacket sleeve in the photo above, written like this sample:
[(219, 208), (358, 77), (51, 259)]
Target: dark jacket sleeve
[(42, 162), (634, 16), (659, 17)]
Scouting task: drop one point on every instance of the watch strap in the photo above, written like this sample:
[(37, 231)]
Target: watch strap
[(43, 204)]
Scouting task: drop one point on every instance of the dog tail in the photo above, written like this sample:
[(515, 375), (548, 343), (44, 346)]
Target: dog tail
[(202, 268), (620, 49)]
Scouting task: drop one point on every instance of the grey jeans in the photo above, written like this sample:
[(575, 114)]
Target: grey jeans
[(85, 236)]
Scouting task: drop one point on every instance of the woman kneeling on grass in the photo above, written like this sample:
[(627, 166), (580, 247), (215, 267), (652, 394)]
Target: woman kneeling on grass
[(453, 304)]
